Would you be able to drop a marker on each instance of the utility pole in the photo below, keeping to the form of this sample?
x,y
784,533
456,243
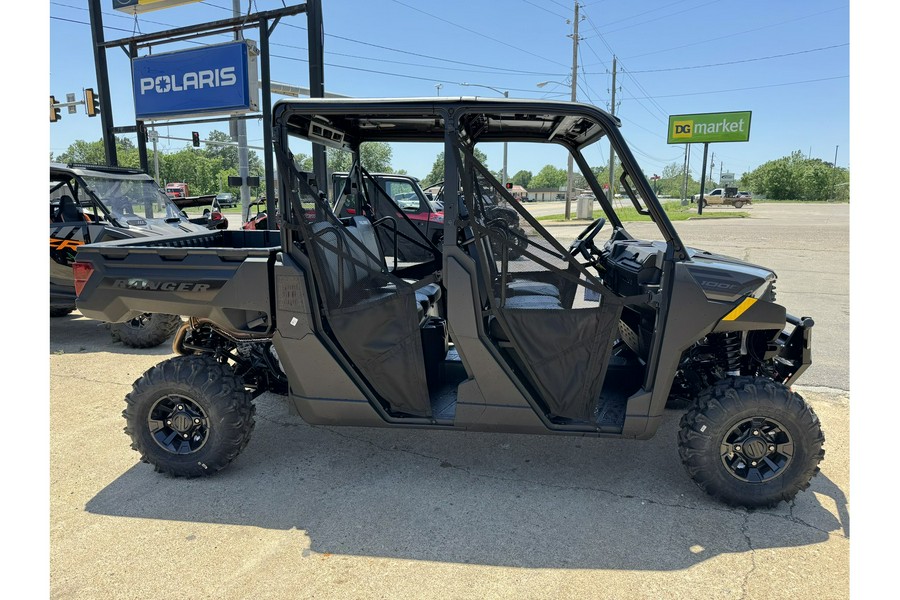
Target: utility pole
x,y
612,156
569,180
834,175
712,163
240,126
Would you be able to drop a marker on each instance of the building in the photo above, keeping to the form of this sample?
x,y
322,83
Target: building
x,y
546,194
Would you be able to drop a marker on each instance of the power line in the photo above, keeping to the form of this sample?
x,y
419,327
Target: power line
x,y
498,70
657,18
738,33
545,9
478,33
746,60
743,89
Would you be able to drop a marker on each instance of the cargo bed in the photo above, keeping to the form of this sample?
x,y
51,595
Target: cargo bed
x,y
221,275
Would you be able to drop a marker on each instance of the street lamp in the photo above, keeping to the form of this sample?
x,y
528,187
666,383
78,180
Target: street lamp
x,y
505,95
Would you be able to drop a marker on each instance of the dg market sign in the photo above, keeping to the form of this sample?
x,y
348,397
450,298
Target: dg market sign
x,y
218,79
709,127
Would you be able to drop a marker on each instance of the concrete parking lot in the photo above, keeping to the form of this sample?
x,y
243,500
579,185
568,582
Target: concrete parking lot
x,y
328,512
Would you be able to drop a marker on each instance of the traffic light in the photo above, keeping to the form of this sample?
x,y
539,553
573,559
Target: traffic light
x,y
509,185
91,103
195,138
54,111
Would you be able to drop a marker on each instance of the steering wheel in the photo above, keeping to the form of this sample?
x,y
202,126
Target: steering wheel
x,y
584,243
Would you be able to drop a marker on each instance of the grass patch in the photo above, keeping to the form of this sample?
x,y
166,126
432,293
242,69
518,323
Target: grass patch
x,y
674,210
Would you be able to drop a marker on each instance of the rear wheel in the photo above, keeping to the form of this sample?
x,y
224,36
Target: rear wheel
x,y
703,203
145,331
56,312
749,441
189,416
738,204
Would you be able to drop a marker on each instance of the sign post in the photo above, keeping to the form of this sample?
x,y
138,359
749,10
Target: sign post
x,y
706,128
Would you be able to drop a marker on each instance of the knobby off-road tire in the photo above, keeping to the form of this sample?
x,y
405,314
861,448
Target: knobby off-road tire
x,y
55,313
738,204
749,441
146,331
517,245
189,416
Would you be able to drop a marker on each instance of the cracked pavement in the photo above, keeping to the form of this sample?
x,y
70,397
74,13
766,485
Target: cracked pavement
x,y
332,512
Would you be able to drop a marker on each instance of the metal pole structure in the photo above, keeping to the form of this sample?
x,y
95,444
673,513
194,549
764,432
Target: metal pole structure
x,y
316,44
612,156
569,179
106,118
505,177
505,147
141,131
155,138
702,179
267,122
684,177
240,126
687,173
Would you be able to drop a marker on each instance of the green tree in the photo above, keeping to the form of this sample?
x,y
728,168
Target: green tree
x,y
549,177
374,156
437,169
192,167
93,153
522,178
228,154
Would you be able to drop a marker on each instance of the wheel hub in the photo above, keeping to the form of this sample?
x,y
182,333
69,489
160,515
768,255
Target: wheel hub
x,y
182,422
757,449
178,424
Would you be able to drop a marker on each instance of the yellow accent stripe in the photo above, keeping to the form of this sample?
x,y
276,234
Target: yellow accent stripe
x,y
741,309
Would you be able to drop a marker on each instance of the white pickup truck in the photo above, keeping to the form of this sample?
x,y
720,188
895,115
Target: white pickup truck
x,y
728,196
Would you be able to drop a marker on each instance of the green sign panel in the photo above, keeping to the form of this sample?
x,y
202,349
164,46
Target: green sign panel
x,y
709,127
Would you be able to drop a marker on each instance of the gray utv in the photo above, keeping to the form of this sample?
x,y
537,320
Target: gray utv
x,y
593,338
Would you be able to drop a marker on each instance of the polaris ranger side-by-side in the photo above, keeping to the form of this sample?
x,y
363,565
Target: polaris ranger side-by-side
x,y
592,338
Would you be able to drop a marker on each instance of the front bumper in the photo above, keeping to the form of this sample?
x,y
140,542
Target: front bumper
x,y
794,349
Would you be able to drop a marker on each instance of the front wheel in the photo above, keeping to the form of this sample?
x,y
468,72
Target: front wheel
x,y
189,416
749,441
57,312
145,331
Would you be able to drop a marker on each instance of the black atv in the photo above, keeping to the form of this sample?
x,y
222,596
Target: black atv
x,y
91,203
590,338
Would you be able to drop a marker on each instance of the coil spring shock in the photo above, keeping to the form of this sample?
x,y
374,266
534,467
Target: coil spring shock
x,y
730,356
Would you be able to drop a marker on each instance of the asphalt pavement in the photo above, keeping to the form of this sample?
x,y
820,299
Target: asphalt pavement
x,y
331,512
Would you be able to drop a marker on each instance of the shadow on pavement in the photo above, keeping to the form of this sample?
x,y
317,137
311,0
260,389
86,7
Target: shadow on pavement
x,y
492,499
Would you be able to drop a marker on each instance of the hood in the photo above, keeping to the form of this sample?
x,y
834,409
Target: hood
x,y
160,227
728,279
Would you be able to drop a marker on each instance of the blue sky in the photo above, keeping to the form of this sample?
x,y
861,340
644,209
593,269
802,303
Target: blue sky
x,y
787,62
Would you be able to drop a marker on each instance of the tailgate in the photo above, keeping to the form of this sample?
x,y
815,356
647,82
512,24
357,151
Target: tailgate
x,y
225,276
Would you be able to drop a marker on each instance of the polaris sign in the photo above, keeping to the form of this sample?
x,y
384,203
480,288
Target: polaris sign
x,y
220,79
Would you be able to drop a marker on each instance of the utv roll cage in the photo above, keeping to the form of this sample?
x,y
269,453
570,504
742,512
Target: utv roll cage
x,y
346,123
